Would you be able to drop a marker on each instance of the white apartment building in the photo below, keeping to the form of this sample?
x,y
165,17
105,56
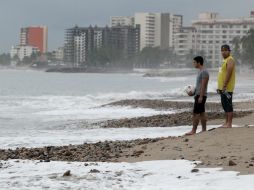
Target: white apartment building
x,y
185,41
80,49
122,21
98,34
58,54
213,32
175,24
22,51
154,29
23,37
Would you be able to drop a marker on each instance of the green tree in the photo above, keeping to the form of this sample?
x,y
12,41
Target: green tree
x,y
105,57
35,55
27,60
5,59
152,57
248,48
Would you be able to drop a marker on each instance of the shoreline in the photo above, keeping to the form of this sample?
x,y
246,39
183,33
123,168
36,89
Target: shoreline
x,y
215,148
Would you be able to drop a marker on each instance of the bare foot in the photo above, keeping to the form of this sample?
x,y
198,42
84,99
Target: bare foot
x,y
227,126
191,133
223,125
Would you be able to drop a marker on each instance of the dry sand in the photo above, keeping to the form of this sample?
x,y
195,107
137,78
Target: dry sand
x,y
217,148
230,149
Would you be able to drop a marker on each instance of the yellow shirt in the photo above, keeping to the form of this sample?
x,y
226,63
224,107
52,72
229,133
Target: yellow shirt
x,y
222,76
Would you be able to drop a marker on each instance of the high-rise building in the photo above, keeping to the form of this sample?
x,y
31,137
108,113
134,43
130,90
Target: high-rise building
x,y
175,24
154,29
125,39
36,36
81,41
184,42
122,21
75,47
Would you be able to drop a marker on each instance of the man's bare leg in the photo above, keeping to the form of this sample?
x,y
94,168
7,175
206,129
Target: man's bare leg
x,y
229,120
226,121
195,121
203,119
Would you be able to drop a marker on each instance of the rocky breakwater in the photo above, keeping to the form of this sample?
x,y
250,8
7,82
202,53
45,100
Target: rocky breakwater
x,y
101,151
169,120
182,117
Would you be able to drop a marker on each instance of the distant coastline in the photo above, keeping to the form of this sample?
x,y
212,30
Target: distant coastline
x,y
87,70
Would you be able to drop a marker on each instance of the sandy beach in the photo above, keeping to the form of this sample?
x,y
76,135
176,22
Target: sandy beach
x,y
230,149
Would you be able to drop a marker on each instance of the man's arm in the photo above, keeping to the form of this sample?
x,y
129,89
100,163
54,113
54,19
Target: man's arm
x,y
204,83
230,67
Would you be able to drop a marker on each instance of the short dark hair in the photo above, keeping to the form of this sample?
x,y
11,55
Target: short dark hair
x,y
199,59
225,46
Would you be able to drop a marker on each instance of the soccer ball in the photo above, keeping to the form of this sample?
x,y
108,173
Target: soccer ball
x,y
190,89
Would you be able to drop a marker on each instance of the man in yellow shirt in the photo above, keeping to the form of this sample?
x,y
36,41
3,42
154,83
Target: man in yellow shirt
x,y
226,84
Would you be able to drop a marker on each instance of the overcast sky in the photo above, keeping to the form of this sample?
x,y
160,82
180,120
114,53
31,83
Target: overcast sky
x,y
61,14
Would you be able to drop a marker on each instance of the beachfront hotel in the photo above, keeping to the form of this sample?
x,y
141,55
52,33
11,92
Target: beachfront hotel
x,y
212,32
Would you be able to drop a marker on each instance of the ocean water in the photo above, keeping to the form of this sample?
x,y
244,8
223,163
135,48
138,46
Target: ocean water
x,y
33,103
37,100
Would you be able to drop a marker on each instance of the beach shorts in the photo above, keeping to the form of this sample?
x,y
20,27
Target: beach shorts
x,y
199,107
227,102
